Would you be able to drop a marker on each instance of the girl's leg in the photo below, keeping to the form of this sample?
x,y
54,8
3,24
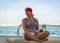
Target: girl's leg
x,y
43,35
28,35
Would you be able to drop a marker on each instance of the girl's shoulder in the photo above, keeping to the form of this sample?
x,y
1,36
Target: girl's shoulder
x,y
24,19
35,19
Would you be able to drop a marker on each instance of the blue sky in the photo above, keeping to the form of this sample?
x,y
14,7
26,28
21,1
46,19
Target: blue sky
x,y
47,11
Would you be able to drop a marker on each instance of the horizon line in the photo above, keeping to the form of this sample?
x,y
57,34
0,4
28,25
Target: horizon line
x,y
20,24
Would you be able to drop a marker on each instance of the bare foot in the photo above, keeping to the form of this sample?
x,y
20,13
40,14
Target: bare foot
x,y
45,39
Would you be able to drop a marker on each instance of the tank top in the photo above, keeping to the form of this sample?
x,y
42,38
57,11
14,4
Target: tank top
x,y
31,25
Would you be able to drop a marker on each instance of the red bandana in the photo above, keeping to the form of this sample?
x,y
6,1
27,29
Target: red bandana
x,y
28,9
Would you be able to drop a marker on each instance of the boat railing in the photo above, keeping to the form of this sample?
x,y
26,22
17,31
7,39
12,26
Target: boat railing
x,y
43,27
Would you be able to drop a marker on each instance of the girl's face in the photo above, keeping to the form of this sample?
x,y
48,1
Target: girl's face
x,y
28,13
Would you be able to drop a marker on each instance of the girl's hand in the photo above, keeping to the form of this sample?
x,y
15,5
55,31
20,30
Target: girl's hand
x,y
37,31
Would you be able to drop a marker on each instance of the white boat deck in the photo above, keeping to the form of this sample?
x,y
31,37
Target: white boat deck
x,y
19,39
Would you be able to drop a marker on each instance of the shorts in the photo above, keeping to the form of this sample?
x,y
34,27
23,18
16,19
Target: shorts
x,y
32,33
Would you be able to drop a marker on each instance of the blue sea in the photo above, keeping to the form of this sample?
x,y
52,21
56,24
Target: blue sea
x,y
12,30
